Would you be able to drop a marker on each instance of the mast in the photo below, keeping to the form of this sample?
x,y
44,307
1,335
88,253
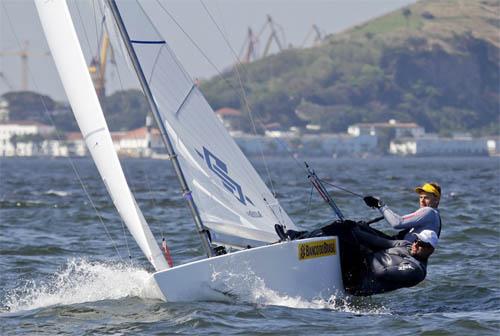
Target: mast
x,y
202,231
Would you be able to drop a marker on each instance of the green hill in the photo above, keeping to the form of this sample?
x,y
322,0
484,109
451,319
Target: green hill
x,y
435,63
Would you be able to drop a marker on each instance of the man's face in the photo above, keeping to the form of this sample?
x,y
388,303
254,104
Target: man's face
x,y
420,250
428,200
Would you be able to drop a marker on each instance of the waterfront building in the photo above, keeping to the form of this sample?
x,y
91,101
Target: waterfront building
x,y
16,136
432,145
401,130
4,110
76,145
140,142
493,144
230,118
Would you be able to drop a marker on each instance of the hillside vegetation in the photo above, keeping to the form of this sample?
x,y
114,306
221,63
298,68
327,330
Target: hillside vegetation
x,y
435,63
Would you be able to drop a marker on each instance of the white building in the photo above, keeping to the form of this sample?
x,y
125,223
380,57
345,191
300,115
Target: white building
x,y
493,146
75,144
230,118
436,146
401,130
12,133
4,110
138,142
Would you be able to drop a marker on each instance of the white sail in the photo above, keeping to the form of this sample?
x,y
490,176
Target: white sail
x,y
233,201
70,62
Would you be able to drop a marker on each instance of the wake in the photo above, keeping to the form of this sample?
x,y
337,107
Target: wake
x,y
247,287
81,281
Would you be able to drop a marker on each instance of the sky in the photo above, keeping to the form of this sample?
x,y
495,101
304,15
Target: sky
x,y
20,26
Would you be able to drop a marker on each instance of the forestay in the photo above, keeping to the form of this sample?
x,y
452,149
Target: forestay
x,y
234,203
65,48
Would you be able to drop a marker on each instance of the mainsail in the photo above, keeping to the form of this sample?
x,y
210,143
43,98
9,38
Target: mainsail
x,y
233,201
70,63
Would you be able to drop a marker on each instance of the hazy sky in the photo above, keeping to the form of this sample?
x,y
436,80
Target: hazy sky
x,y
19,24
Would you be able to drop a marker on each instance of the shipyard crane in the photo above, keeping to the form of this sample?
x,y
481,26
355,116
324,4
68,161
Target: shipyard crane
x,y
273,36
248,51
97,67
318,36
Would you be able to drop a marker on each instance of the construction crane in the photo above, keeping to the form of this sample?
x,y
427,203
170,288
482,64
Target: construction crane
x,y
272,37
318,37
97,67
24,54
248,52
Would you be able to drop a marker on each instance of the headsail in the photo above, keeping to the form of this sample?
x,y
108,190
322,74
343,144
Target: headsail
x,y
68,56
233,201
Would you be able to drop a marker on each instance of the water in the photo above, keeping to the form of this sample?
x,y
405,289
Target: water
x,y
61,274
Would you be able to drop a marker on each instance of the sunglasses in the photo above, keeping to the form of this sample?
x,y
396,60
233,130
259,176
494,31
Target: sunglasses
x,y
422,243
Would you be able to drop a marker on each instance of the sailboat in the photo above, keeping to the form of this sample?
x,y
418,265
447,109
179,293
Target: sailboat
x,y
233,210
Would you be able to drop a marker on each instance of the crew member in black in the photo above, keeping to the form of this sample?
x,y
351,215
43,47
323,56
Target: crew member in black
x,y
372,264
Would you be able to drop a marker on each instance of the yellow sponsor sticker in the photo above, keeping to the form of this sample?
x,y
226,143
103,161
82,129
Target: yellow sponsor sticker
x,y
317,249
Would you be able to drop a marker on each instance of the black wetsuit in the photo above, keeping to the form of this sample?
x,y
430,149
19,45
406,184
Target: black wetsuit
x,y
389,265
371,264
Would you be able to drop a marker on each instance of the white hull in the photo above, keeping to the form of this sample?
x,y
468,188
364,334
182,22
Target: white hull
x,y
276,267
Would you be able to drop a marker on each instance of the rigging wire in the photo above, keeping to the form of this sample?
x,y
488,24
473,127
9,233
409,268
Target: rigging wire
x,y
148,181
59,137
189,37
83,27
96,29
342,188
243,94
220,74
281,142
241,91
95,25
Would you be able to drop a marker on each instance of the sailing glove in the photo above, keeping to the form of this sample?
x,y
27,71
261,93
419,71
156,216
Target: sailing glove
x,y
373,202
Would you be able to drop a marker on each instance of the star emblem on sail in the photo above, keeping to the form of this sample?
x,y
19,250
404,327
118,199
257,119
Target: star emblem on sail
x,y
219,168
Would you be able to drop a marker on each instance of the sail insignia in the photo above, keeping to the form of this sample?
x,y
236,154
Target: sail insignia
x,y
219,168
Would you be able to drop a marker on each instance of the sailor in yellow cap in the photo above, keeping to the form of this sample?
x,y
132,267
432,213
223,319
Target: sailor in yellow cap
x,y
427,217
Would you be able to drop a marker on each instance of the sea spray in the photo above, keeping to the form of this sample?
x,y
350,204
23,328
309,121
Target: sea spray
x,y
81,280
249,288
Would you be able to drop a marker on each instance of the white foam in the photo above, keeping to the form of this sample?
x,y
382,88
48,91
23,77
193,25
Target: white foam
x,y
59,193
81,281
248,287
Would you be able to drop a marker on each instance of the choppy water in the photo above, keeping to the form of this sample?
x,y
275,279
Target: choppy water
x,y
60,274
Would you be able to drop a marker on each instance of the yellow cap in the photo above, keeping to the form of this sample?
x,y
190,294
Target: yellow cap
x,y
430,188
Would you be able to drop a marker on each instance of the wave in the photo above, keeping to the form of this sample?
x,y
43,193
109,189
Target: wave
x,y
59,193
81,281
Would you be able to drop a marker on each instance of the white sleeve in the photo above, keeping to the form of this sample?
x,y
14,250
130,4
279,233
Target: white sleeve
x,y
411,220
